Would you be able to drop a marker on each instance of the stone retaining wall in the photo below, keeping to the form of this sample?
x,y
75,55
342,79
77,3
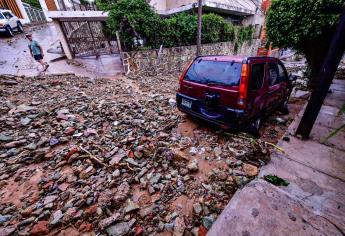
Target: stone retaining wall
x,y
174,60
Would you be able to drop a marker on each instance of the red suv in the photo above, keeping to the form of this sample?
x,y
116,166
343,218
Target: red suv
x,y
235,92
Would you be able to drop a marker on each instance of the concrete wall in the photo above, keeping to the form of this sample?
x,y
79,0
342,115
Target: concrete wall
x,y
174,60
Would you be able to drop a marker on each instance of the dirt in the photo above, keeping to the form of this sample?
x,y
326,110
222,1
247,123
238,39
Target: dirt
x,y
186,162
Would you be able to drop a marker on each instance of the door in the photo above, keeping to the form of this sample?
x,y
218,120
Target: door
x,y
256,90
274,87
284,81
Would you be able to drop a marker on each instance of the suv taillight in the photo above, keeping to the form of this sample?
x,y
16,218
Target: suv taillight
x,y
185,72
241,102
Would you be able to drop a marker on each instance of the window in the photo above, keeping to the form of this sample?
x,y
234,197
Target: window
x,y
258,74
273,73
282,74
7,15
1,16
215,72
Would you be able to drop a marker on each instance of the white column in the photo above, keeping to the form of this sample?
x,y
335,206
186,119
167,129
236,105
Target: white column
x,y
45,9
63,40
25,19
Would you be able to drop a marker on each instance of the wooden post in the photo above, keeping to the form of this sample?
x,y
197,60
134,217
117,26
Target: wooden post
x,y
198,43
327,72
118,41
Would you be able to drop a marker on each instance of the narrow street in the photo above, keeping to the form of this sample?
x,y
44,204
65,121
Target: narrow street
x,y
15,57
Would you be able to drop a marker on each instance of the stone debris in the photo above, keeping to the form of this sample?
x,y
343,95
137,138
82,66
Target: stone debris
x,y
106,156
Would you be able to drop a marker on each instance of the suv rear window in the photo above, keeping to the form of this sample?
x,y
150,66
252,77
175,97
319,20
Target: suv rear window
x,y
215,72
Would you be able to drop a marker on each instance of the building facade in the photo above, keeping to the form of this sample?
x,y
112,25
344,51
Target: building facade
x,y
241,12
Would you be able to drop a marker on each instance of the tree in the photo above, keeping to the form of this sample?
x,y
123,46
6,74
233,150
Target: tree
x,y
306,26
134,19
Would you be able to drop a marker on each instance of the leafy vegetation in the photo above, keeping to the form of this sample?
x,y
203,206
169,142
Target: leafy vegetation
x,y
275,180
34,3
305,25
135,19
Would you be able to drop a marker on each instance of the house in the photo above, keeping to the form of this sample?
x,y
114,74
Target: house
x,y
241,12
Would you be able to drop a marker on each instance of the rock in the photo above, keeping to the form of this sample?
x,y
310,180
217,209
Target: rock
x,y
4,218
193,151
193,166
121,192
69,214
87,172
208,222
280,121
7,231
116,173
120,229
197,208
217,151
155,179
179,226
57,218
69,131
49,199
108,221
131,206
25,121
118,157
195,231
250,170
132,162
6,138
142,172
40,229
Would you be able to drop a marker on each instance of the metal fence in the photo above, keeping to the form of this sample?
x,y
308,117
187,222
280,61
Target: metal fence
x,y
75,5
35,15
87,38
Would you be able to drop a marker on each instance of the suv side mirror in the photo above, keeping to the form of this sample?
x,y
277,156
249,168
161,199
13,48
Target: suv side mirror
x,y
292,77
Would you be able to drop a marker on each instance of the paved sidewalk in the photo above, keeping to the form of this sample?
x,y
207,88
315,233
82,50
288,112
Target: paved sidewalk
x,y
314,201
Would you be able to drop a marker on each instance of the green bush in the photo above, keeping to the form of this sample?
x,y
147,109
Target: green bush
x,y
306,26
179,30
135,19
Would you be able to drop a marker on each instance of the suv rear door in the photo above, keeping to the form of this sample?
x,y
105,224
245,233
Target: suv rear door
x,y
213,78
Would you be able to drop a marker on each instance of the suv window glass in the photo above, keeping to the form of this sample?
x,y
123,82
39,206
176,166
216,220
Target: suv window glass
x,y
215,72
1,16
273,73
7,15
258,73
282,75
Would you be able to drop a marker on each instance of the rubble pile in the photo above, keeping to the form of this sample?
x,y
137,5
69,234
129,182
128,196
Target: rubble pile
x,y
80,155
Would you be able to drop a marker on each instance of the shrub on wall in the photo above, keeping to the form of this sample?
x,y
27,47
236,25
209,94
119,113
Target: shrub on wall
x,y
138,22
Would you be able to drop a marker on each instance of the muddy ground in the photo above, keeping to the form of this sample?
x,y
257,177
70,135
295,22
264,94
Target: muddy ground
x,y
83,156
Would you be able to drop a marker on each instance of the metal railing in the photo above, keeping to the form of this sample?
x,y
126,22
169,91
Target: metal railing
x,y
75,5
35,15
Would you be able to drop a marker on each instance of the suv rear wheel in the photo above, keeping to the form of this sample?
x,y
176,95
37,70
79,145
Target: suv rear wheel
x,y
20,27
9,31
254,127
284,107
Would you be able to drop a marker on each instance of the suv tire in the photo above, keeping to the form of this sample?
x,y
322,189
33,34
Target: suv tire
x,y
9,31
284,107
254,127
20,27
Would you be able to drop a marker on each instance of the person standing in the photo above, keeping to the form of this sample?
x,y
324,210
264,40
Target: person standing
x,y
36,52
